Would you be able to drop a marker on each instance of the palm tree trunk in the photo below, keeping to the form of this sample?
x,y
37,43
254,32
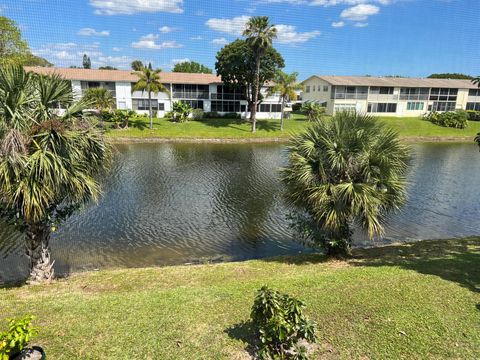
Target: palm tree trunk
x,y
281,114
39,253
255,97
150,108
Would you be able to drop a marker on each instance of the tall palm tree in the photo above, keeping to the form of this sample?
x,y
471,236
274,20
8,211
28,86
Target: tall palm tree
x,y
349,170
101,98
149,80
476,81
260,34
48,162
285,86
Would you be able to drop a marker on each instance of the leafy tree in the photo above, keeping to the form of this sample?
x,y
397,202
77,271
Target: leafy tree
x,y
108,67
450,76
235,64
191,67
260,34
137,65
100,98
86,63
48,162
313,110
350,170
286,86
149,81
13,49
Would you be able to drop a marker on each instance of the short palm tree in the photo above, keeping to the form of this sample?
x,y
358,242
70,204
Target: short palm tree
x,y
48,162
149,81
313,110
260,34
101,98
345,171
285,86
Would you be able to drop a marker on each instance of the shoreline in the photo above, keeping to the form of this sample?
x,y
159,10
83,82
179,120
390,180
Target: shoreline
x,y
282,140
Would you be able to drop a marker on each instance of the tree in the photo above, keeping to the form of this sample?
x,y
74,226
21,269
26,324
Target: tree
x,y
235,64
286,86
450,76
260,34
149,81
87,64
108,67
349,170
137,65
100,98
48,163
13,49
191,67
313,110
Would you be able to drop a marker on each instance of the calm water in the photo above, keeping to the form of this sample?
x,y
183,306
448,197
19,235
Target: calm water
x,y
181,203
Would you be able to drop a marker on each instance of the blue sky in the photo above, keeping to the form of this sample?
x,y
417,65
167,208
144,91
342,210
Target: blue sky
x,y
341,37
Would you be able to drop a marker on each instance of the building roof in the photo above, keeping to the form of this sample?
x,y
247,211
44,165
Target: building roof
x,y
395,82
124,75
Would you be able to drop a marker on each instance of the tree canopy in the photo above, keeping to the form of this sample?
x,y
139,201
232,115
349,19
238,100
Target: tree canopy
x,y
13,49
450,76
191,67
137,65
108,67
87,64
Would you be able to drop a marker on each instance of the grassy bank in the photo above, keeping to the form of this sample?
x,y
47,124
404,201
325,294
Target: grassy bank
x,y
413,128
417,301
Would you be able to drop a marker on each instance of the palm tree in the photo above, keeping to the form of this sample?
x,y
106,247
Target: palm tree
x,y
476,81
48,162
149,80
260,34
345,171
286,86
101,98
313,110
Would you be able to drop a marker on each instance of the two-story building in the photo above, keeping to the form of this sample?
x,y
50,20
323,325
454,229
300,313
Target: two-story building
x,y
390,95
201,91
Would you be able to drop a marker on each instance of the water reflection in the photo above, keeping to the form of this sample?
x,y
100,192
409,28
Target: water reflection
x,y
176,203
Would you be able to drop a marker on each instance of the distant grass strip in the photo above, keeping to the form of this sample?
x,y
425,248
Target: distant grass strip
x,y
418,301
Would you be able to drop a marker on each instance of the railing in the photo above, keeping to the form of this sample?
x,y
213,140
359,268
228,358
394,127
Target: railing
x,y
382,97
351,96
191,95
473,99
113,92
227,96
414,96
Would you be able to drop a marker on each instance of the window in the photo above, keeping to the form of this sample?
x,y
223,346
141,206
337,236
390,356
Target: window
x,y
443,106
325,88
142,104
194,104
414,93
313,88
443,94
474,92
473,106
345,107
161,106
382,107
225,106
381,90
307,89
349,92
415,105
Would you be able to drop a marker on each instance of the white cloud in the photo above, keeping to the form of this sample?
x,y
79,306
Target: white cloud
x,y
116,49
150,37
166,29
93,32
233,26
220,41
359,12
129,7
360,25
196,38
179,61
338,24
148,42
348,2
287,34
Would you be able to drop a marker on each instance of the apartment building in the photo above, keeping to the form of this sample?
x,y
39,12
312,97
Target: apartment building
x,y
201,91
391,96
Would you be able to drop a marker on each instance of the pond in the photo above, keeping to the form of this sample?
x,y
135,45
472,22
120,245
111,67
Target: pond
x,y
187,203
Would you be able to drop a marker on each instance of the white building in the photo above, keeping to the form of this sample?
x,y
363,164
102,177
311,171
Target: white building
x,y
201,91
391,96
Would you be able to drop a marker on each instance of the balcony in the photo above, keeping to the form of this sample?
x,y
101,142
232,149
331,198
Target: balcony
x,y
227,96
382,97
347,96
193,95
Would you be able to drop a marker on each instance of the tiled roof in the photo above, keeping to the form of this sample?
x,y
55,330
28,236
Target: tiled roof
x,y
123,75
396,82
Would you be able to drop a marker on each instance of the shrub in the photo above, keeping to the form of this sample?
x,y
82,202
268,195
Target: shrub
x,y
296,107
180,112
197,114
16,338
280,325
454,119
211,115
232,115
473,115
106,115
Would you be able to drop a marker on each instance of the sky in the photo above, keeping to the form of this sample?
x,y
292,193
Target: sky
x,y
330,37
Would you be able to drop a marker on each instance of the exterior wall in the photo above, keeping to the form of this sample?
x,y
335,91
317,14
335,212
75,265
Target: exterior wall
x,y
77,89
313,90
123,92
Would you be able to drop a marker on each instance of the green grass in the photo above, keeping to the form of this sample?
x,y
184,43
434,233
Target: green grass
x,y
418,301
408,127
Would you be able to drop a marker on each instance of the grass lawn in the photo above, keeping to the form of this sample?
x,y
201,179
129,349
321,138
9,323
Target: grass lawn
x,y
418,301
408,127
